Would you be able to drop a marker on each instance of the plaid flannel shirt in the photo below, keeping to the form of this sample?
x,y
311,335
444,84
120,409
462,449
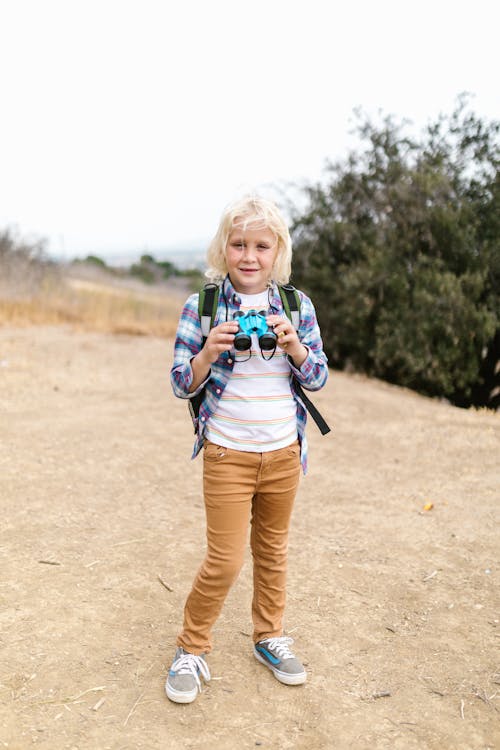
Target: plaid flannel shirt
x,y
312,374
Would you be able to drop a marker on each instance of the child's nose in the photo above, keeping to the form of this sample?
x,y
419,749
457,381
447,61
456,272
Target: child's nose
x,y
249,251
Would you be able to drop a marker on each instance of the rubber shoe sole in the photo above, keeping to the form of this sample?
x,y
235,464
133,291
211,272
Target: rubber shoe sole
x,y
285,677
180,696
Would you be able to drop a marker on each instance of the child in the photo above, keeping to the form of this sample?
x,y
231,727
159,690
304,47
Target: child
x,y
251,426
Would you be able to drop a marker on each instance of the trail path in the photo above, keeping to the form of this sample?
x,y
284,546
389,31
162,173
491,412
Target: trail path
x,y
394,609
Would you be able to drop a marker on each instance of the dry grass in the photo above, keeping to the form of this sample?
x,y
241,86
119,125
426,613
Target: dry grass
x,y
94,306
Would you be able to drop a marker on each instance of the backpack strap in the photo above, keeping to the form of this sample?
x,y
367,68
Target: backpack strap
x,y
207,308
291,303
320,421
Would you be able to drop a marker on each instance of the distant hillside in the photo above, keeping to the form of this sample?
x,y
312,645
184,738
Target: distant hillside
x,y
183,259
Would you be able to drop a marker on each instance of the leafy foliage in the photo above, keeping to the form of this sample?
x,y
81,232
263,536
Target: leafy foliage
x,y
150,271
400,249
95,260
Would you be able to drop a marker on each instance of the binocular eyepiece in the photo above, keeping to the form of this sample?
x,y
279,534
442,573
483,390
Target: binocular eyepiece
x,y
253,322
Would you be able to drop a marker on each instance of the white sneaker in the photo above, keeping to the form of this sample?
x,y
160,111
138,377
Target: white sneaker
x,y
276,655
183,681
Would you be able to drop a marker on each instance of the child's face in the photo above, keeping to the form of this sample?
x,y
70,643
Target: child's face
x,y
250,256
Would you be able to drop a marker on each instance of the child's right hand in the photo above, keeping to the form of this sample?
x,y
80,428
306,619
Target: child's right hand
x,y
220,339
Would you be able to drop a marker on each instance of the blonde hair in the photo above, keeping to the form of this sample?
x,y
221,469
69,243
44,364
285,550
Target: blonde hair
x,y
251,212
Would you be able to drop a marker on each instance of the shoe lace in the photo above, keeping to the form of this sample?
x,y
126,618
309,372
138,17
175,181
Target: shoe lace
x,y
191,664
281,646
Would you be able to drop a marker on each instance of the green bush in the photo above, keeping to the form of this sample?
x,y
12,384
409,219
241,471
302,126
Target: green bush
x,y
143,272
96,261
400,250
150,270
195,277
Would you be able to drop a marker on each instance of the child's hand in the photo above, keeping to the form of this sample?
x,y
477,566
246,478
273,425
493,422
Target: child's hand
x,y
288,339
220,339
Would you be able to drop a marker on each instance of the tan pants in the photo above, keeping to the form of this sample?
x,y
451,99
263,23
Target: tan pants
x,y
242,487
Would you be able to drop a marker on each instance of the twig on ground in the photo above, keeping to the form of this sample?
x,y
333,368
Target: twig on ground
x,y
133,708
49,562
432,688
436,691
462,704
70,699
431,575
129,541
164,584
260,724
483,697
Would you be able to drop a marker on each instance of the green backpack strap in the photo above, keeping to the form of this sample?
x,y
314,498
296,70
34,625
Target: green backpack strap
x,y
291,303
207,308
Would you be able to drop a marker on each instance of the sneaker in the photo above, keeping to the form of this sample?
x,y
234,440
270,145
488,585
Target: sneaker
x,y
183,681
275,654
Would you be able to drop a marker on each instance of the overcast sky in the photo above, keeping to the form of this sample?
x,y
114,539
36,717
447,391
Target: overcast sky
x,y
128,125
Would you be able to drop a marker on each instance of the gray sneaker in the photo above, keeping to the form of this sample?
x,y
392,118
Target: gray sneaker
x,y
183,681
275,654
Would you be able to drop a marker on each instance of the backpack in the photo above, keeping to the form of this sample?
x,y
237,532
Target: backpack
x,y
207,310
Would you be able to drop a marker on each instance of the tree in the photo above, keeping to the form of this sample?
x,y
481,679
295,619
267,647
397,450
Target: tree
x,y
400,249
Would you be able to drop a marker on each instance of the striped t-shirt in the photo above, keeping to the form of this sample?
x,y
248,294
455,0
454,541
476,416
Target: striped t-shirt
x,y
257,411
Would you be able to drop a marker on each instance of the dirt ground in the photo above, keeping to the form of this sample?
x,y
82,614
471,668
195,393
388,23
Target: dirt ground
x,y
393,608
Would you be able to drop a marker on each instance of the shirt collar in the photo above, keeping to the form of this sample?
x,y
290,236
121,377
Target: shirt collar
x,y
276,298
230,292
233,297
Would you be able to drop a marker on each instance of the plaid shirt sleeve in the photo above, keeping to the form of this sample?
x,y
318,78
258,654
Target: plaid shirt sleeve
x,y
313,372
188,341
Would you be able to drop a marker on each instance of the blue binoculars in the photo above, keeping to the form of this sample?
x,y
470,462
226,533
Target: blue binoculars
x,y
253,322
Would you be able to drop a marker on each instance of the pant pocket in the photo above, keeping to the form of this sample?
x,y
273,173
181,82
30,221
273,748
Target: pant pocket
x,y
293,450
213,452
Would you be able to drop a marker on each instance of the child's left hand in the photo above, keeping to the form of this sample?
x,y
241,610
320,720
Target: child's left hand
x,y
288,339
